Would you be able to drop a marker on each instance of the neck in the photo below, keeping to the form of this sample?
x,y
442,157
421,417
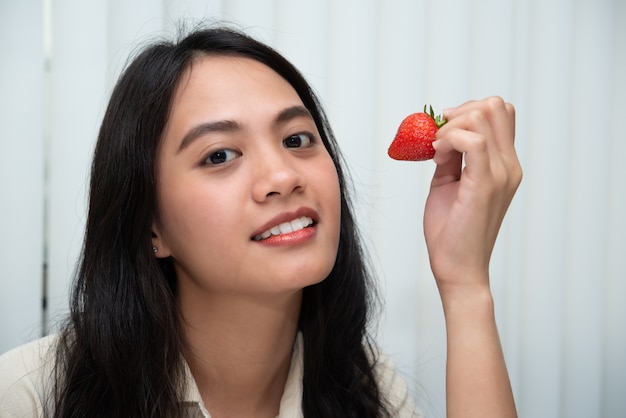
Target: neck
x,y
239,349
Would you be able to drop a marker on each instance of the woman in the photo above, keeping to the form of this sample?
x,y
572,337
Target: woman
x,y
221,270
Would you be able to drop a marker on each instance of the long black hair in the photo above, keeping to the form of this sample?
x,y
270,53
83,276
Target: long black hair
x,y
120,352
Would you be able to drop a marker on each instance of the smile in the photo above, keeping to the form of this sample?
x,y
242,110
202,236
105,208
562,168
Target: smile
x,y
285,228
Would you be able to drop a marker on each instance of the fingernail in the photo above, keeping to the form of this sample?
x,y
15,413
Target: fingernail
x,y
448,110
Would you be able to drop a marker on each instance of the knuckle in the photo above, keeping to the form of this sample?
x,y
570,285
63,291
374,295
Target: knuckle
x,y
476,116
518,174
510,109
514,175
495,103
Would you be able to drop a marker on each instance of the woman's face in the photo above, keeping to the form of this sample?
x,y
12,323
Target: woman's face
x,y
248,196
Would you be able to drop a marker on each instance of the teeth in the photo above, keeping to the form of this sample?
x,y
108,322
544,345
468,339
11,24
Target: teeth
x,y
286,227
296,224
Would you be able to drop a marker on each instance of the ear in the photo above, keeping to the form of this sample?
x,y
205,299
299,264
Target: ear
x,y
159,246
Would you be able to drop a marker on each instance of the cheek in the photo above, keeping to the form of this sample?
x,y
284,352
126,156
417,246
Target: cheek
x,y
192,216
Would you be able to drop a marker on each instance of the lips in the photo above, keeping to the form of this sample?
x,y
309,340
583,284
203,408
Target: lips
x,y
285,228
286,223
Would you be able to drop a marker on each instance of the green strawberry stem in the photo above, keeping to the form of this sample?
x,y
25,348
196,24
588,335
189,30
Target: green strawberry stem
x,y
439,119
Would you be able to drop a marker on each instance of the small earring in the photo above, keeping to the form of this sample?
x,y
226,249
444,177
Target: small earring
x,y
154,249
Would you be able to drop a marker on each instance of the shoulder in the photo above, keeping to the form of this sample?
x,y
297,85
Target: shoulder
x,y
25,372
393,388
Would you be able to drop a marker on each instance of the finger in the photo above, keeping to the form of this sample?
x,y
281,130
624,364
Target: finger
x,y
501,116
452,112
449,164
502,119
511,111
473,145
472,117
496,110
495,119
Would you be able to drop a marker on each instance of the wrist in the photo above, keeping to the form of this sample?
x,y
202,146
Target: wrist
x,y
467,299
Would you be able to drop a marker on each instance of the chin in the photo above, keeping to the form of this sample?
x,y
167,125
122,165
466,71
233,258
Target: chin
x,y
308,276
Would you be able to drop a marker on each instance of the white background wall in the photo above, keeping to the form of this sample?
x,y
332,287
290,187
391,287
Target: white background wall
x,y
558,272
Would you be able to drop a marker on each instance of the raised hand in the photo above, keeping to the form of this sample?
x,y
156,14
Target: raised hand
x,y
476,177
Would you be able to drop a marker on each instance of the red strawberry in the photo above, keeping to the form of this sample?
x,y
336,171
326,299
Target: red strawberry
x,y
415,136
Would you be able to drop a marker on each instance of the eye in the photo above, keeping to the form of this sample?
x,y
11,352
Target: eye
x,y
221,156
298,141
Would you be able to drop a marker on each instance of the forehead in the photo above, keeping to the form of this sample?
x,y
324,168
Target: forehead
x,y
239,90
227,81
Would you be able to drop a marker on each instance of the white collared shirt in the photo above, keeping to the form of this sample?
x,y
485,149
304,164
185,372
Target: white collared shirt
x,y
25,373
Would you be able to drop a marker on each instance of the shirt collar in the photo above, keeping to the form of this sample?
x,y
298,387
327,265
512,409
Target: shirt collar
x,y
290,403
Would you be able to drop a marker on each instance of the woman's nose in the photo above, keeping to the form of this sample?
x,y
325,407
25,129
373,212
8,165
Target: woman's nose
x,y
276,174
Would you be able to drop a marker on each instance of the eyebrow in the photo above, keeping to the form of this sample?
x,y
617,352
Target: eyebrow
x,y
226,126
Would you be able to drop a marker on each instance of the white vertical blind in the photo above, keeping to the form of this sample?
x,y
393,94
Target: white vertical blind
x,y
78,70
588,196
558,273
613,401
21,171
548,145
